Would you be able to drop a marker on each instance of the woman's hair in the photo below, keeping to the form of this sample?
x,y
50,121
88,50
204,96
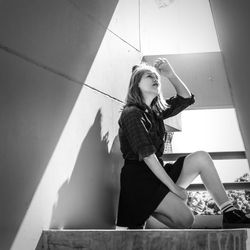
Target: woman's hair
x,y
134,95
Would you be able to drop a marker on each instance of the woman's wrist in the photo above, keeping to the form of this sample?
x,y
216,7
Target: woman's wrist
x,y
172,75
172,187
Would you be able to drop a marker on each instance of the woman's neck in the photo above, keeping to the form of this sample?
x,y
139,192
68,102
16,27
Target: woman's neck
x,y
148,100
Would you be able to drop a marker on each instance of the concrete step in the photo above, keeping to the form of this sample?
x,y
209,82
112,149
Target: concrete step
x,y
207,239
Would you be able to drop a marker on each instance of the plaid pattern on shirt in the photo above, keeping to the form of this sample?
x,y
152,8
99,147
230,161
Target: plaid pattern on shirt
x,y
142,131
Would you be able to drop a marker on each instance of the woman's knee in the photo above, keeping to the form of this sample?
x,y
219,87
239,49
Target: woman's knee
x,y
199,157
176,210
186,220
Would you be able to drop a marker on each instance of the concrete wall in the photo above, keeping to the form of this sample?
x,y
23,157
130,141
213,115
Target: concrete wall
x,y
61,62
232,25
188,239
181,27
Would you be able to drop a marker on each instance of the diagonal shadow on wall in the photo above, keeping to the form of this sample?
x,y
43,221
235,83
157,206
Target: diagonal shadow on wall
x,y
89,198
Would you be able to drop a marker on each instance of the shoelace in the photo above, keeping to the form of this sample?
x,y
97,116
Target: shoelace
x,y
239,213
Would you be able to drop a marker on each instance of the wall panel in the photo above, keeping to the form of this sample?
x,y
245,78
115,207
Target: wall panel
x,y
55,34
232,25
58,149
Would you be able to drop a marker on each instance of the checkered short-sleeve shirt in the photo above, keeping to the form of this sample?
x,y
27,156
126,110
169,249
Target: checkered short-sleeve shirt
x,y
142,131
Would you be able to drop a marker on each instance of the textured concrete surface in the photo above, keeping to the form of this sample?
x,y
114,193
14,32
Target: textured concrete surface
x,y
236,239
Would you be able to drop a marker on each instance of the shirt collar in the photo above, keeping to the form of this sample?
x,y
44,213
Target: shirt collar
x,y
144,107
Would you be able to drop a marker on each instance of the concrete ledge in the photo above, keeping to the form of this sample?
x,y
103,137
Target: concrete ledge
x,y
233,239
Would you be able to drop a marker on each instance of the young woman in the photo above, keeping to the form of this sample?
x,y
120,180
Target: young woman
x,y
148,187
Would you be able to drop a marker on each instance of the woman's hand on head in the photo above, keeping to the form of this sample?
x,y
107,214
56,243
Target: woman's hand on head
x,y
164,68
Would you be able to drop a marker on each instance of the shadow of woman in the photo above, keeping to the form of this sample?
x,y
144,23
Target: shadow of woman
x,y
89,199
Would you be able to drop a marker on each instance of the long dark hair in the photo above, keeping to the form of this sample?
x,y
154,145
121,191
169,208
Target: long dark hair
x,y
134,95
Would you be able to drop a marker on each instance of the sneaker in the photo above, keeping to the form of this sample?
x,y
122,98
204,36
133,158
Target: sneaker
x,y
235,219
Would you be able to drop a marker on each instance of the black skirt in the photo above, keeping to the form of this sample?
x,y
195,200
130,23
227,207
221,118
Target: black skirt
x,y
141,191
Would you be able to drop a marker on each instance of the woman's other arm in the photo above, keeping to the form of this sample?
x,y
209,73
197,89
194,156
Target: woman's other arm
x,y
161,174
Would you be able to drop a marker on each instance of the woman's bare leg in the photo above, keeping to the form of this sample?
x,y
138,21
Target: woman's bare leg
x,y
173,212
200,163
153,223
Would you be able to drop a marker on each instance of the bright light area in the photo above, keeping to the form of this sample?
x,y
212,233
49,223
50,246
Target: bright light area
x,y
229,170
210,130
213,130
181,27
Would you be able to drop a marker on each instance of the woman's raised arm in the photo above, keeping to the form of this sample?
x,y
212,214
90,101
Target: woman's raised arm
x,y
166,70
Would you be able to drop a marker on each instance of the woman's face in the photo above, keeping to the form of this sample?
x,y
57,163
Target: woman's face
x,y
150,84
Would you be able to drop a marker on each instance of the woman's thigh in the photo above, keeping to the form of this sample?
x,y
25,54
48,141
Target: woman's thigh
x,y
192,167
177,213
